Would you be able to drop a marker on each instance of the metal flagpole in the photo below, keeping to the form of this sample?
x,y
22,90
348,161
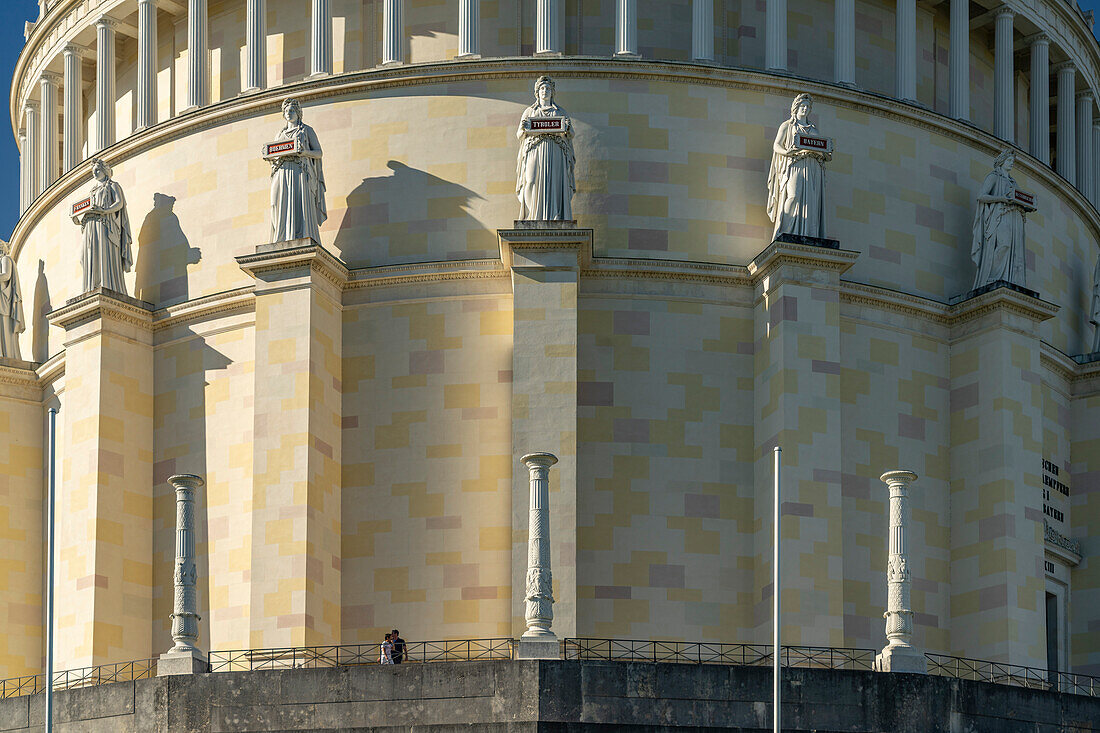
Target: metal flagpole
x,y
776,610
50,569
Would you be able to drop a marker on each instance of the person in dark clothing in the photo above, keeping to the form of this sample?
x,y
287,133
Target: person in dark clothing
x,y
398,647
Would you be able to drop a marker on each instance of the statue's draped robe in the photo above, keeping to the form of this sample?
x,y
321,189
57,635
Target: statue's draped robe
x,y
796,188
298,190
105,254
11,309
997,248
544,170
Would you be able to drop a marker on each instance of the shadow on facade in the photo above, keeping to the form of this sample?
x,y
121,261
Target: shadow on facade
x,y
163,254
40,308
410,216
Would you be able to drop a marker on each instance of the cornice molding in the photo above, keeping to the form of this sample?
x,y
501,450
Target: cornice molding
x,y
102,304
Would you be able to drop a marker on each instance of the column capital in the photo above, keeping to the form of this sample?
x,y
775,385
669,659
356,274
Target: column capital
x,y
50,77
31,105
1038,39
1084,95
75,49
186,481
1065,66
1095,125
1004,11
539,460
23,132
148,2
106,21
898,477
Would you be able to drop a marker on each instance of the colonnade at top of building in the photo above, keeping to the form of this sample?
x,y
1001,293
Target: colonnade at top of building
x,y
1077,131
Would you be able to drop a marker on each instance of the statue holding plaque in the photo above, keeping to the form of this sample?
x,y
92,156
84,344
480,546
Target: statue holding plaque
x,y
544,169
297,179
1094,307
105,233
796,180
11,306
998,244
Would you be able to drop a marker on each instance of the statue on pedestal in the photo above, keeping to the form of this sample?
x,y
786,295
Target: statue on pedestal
x,y
11,306
297,179
1094,307
105,233
997,248
544,170
796,180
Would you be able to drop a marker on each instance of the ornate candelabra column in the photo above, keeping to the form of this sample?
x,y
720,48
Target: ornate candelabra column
x,y
1066,161
184,657
539,642
702,30
255,73
1039,129
320,49
959,60
899,655
1004,88
72,136
469,30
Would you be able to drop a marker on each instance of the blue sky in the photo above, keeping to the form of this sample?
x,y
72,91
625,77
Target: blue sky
x,y
13,14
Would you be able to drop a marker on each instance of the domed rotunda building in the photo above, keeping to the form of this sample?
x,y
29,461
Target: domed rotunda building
x,y
358,405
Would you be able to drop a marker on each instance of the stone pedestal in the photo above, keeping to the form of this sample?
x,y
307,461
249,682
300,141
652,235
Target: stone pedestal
x,y
546,259
797,405
296,466
191,661
104,578
995,461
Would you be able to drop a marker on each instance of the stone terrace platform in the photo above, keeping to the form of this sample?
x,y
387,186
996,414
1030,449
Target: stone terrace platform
x,y
552,696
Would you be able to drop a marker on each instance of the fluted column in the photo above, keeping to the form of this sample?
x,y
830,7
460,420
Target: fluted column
x,y
959,60
1039,129
899,654
1066,163
1096,168
1004,88
775,35
72,134
469,29
393,32
24,198
198,75
539,596
549,27
320,53
255,70
1084,144
47,157
844,40
906,48
626,28
30,153
184,657
702,30
147,64
105,83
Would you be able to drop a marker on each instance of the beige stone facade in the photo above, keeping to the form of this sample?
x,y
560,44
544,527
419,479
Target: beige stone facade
x,y
358,407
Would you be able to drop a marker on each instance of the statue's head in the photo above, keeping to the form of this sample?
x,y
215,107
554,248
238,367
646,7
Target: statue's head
x,y
5,248
100,170
292,110
544,89
1005,160
801,107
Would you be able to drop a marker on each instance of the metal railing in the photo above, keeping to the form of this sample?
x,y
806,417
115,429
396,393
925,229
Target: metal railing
x,y
740,655
353,655
962,668
82,677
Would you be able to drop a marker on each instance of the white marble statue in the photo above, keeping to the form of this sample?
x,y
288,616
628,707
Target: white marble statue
x,y
796,180
11,306
1094,307
998,245
297,182
544,170
105,234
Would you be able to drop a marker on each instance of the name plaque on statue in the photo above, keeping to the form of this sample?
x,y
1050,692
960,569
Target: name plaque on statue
x,y
81,206
547,124
281,148
814,143
1025,200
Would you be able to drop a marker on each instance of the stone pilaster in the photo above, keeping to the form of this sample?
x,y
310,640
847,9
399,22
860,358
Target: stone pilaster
x,y
30,150
320,46
797,406
905,48
1039,127
1085,105
775,35
1004,81
255,73
549,31
147,64
844,54
296,454
184,657
104,580
1066,162
72,137
899,655
959,60
997,575
393,32
545,260
539,642
198,67
24,196
626,28
47,158
105,83
469,29
702,30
